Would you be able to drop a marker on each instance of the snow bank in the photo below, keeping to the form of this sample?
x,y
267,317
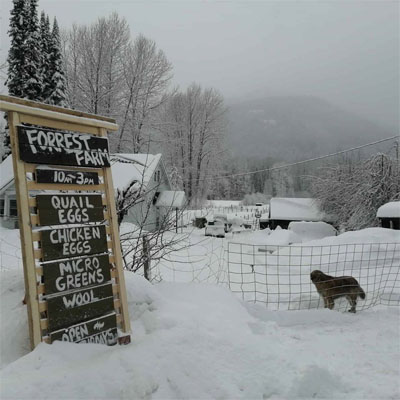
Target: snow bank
x,y
200,341
312,230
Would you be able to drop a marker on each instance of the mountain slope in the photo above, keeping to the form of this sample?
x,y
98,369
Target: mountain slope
x,y
296,127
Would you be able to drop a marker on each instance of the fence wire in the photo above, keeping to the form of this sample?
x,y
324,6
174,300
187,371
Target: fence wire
x,y
279,276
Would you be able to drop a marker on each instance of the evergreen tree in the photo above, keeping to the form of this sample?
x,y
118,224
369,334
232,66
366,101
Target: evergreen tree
x,y
46,69
33,77
57,83
16,60
16,54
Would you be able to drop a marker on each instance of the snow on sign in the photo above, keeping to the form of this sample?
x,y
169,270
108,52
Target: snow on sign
x,y
74,281
100,330
49,146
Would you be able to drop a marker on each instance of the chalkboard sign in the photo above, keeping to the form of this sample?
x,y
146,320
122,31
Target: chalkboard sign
x,y
61,176
49,146
61,209
76,294
71,242
101,330
78,306
76,273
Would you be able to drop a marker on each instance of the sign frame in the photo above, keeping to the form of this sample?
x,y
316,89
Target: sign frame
x,y
20,111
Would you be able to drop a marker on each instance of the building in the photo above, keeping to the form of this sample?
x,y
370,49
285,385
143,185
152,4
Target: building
x,y
283,210
141,179
8,201
389,215
135,176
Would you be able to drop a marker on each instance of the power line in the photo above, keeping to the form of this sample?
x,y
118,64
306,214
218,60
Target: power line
x,y
299,162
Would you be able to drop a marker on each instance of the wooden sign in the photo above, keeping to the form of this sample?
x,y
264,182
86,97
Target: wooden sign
x,y
72,242
74,307
72,291
61,209
76,273
49,146
61,176
101,330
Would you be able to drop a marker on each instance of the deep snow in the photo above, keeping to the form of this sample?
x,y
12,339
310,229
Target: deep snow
x,y
199,340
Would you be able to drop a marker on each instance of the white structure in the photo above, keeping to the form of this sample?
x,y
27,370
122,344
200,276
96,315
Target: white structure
x,y
8,202
141,174
283,210
146,177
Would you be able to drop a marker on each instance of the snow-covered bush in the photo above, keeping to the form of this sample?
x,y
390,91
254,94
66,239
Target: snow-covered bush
x,y
352,194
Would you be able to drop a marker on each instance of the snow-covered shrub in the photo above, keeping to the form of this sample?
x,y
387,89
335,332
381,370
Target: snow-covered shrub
x,y
352,194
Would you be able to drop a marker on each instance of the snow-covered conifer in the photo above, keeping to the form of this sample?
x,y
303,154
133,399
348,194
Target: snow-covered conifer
x,y
46,69
33,75
16,53
57,83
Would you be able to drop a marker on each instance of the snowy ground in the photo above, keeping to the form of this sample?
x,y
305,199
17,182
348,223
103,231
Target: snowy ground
x,y
199,340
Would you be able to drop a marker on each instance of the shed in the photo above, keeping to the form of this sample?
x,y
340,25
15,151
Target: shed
x,y
283,210
389,215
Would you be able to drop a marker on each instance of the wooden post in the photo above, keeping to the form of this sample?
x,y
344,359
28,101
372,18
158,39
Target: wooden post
x,y
27,250
65,121
114,232
146,261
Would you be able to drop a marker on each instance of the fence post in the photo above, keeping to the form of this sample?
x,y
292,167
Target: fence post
x,y
146,258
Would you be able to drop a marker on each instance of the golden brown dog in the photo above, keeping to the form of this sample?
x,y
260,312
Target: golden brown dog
x,y
331,288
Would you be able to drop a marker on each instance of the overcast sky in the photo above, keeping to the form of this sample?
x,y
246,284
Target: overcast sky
x,y
343,51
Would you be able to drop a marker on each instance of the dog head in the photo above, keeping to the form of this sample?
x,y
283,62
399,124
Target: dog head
x,y
317,276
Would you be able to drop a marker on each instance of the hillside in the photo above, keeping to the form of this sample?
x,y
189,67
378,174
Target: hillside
x,y
296,127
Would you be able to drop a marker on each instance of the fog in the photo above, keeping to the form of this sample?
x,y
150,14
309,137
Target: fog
x,y
344,52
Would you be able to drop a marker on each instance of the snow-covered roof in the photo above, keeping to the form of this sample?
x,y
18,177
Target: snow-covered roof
x,y
295,209
6,172
127,168
389,210
171,199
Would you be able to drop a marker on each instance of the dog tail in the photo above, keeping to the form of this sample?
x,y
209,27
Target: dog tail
x,y
361,293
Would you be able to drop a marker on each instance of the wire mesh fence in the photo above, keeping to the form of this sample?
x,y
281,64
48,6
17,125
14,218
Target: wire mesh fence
x,y
279,276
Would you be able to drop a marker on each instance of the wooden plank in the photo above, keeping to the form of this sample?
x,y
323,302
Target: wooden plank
x,y
71,177
113,222
98,330
57,147
76,273
48,107
79,306
69,242
32,168
6,105
61,209
36,238
32,185
32,201
25,234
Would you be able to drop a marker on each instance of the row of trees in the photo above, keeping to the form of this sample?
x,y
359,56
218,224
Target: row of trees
x,y
98,68
352,193
108,73
34,65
